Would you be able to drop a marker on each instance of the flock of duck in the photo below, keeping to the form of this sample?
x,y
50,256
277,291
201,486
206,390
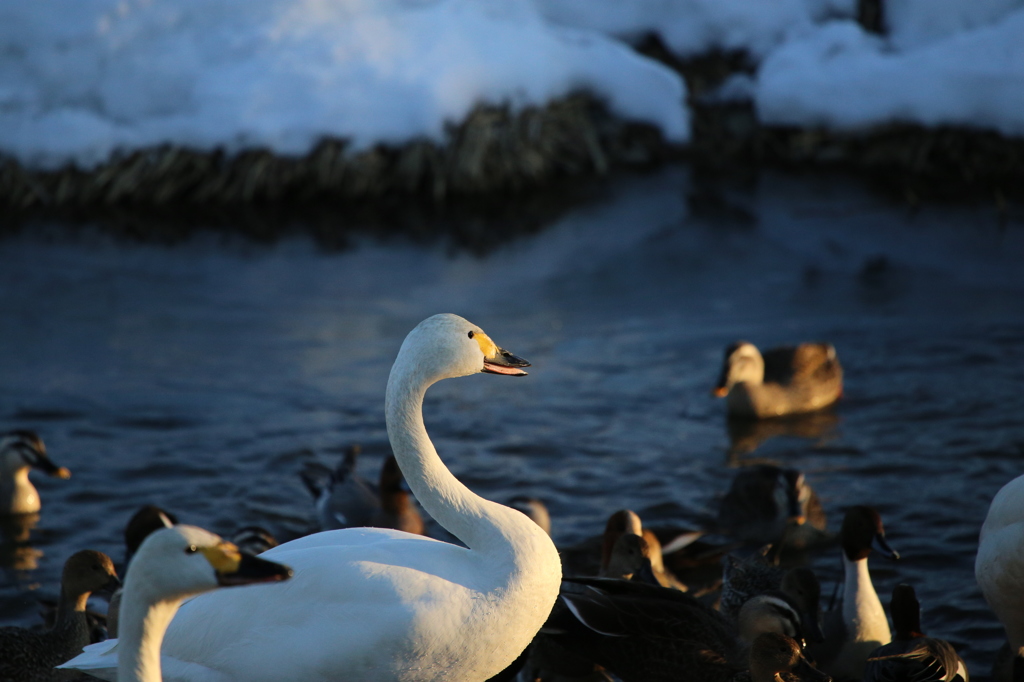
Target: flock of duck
x,y
370,597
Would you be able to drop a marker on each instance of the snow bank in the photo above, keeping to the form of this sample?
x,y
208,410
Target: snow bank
x,y
840,77
690,27
83,79
914,23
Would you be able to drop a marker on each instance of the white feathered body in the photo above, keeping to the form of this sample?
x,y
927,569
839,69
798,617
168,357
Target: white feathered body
x,y
999,567
385,608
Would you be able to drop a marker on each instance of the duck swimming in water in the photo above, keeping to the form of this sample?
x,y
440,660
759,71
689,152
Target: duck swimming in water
x,y
782,381
21,451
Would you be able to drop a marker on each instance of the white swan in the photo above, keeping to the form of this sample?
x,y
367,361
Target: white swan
x,y
999,568
376,604
170,565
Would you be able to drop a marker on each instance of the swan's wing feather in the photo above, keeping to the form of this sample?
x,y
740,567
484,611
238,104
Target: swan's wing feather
x,y
99,660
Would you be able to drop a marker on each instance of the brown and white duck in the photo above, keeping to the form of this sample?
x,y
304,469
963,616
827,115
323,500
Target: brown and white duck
x,y
21,451
782,381
627,522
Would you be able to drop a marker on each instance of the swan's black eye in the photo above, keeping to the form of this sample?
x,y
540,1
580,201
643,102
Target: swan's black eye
x,y
191,549
471,333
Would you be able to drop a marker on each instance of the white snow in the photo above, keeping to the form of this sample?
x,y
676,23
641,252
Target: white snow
x,y
81,80
913,23
690,27
837,76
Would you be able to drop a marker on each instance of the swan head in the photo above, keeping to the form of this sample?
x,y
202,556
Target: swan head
x,y
25,449
742,362
446,346
183,560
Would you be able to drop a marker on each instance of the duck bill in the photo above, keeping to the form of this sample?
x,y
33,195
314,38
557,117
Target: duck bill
x,y
250,570
883,548
719,391
46,465
112,586
505,363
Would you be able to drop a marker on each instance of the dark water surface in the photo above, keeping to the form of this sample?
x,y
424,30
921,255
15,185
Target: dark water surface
x,y
200,377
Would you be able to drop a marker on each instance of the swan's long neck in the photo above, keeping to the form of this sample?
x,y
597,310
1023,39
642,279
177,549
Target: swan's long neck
x,y
482,525
142,623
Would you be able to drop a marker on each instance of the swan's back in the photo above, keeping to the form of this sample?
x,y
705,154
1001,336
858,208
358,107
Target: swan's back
x,y
354,591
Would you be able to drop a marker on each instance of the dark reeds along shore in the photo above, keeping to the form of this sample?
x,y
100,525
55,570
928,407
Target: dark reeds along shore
x,y
494,151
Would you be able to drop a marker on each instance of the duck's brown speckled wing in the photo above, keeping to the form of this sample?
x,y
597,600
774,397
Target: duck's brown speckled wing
x,y
815,361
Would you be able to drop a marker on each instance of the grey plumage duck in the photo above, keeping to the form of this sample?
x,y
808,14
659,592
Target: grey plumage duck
x,y
346,500
744,580
782,381
21,451
30,656
911,656
343,498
